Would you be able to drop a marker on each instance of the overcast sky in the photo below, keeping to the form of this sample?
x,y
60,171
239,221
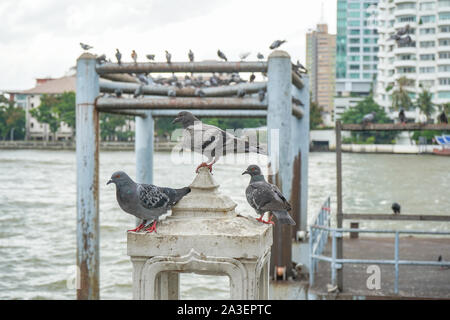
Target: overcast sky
x,y
40,38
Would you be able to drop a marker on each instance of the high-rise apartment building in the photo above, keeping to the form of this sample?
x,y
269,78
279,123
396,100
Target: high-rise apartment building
x,y
425,61
320,62
356,46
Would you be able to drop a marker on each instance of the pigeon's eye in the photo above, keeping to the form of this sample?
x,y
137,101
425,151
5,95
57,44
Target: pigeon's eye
x,y
118,176
253,169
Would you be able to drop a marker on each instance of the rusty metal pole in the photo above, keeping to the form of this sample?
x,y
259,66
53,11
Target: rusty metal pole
x,y
279,120
87,141
299,196
339,216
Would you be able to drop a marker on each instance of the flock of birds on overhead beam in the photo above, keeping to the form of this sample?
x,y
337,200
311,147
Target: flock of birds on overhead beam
x,y
370,118
149,202
199,82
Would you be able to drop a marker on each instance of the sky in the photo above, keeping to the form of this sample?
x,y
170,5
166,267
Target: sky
x,y
40,38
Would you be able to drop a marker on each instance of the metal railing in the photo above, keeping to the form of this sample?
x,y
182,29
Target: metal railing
x,y
317,243
318,238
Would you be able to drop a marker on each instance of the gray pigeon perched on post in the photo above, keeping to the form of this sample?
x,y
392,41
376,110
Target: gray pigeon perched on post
x,y
260,56
396,208
244,55
139,90
191,56
134,56
264,197
168,57
368,118
211,141
221,55
85,46
276,44
145,201
118,56
150,57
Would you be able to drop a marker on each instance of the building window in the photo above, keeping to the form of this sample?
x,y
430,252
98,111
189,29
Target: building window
x,y
427,57
408,5
444,16
407,19
444,55
444,81
427,31
444,95
427,69
427,5
406,70
444,29
427,44
426,83
444,42
428,19
444,68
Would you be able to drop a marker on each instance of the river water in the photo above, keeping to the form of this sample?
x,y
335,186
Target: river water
x,y
38,216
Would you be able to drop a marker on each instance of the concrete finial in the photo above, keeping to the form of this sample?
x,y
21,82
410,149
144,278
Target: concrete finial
x,y
204,200
279,54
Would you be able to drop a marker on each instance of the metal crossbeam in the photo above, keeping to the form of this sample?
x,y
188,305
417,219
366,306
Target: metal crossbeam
x,y
125,112
186,67
249,88
383,216
394,127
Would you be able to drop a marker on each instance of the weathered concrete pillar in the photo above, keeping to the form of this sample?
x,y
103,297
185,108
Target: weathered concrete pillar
x,y
87,141
279,120
204,236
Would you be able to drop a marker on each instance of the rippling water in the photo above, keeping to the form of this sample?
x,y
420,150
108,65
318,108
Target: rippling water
x,y
38,216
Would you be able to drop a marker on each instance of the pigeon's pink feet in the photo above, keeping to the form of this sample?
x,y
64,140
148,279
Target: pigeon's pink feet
x,y
204,164
260,219
151,228
139,228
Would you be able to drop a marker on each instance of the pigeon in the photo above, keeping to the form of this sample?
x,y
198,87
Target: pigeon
x,y
396,208
199,92
145,201
85,46
211,141
368,118
404,41
301,67
142,78
252,77
443,117
244,55
403,31
221,55
171,93
261,95
134,56
139,91
118,56
150,57
101,59
168,57
276,44
395,37
191,56
260,56
401,116
241,93
264,197
118,92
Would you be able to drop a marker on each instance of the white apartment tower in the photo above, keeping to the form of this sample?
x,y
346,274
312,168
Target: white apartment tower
x,y
425,61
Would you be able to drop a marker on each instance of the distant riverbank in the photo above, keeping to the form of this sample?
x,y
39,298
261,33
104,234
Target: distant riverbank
x,y
70,145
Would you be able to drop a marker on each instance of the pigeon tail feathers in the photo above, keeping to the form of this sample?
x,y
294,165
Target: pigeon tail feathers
x,y
284,217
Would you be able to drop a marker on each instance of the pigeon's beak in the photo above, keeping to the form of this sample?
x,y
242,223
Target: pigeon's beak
x,y
178,119
245,172
110,181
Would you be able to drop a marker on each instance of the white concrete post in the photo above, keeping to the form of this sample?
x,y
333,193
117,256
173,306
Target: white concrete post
x,y
279,119
87,140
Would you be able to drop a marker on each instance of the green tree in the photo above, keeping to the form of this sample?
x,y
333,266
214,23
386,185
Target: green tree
x,y
12,120
356,114
400,96
315,115
65,109
424,103
46,112
111,127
